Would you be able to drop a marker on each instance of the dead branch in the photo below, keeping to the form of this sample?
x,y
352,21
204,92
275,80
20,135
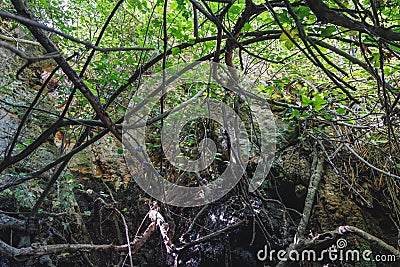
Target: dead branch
x,y
372,239
156,217
327,239
212,235
22,55
18,40
312,190
7,222
361,158
317,164
35,250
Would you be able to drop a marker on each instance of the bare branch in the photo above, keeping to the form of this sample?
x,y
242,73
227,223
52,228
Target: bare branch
x,y
18,40
29,59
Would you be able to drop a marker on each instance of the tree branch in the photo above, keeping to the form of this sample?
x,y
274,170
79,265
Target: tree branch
x,y
327,15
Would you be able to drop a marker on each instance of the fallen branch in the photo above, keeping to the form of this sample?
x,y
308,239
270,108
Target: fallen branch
x,y
158,219
18,40
372,239
7,222
299,242
212,235
36,250
312,190
324,241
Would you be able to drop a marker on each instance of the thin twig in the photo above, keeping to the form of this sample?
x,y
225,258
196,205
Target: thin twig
x,y
361,158
212,235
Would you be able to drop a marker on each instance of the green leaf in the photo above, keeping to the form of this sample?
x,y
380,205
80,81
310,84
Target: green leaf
x,y
302,11
175,50
328,117
305,101
286,39
295,112
325,32
376,59
20,146
120,110
235,9
283,17
289,45
267,89
318,102
340,111
247,27
192,40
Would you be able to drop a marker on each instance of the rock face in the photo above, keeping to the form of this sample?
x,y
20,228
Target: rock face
x,y
8,119
109,162
8,125
17,94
